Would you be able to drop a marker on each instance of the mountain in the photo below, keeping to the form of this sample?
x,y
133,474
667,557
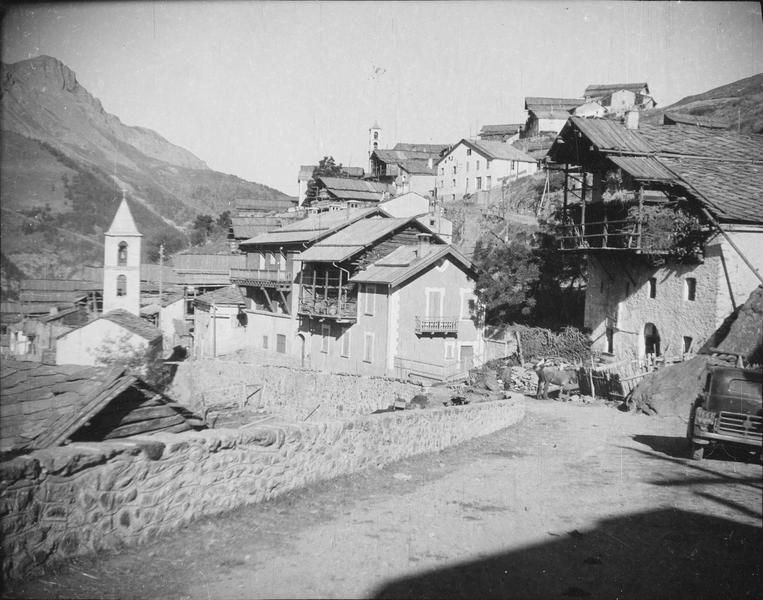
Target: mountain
x,y
64,160
738,104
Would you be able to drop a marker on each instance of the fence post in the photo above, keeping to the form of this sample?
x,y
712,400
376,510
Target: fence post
x,y
590,380
519,347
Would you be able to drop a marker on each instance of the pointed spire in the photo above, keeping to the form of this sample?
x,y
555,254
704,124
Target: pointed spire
x,y
123,223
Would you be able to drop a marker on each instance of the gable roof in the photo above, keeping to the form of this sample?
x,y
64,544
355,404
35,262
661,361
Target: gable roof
x,y
507,129
44,405
354,238
534,103
425,148
306,172
673,118
405,262
354,189
603,89
228,296
123,223
312,227
495,150
132,323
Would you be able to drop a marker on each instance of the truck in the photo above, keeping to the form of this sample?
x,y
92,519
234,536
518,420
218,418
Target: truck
x,y
728,411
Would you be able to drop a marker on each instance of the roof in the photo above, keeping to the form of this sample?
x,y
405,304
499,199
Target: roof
x,y
428,148
263,205
206,263
50,297
312,227
507,129
643,168
545,103
132,323
247,227
59,285
602,89
152,273
306,172
351,240
702,141
44,405
123,223
558,115
404,262
673,118
495,150
231,296
354,189
418,166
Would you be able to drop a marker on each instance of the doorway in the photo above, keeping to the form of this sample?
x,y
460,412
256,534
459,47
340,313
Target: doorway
x,y
651,340
466,357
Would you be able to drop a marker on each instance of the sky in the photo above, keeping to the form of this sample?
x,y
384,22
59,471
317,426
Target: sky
x,y
256,89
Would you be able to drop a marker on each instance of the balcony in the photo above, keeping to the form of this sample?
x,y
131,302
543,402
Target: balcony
x,y
272,278
436,325
623,234
341,311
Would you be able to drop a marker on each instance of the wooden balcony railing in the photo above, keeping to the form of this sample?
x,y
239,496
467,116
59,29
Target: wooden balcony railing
x,y
623,234
434,325
261,277
331,308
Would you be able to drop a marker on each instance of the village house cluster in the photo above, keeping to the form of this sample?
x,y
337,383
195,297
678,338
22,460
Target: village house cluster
x,y
363,276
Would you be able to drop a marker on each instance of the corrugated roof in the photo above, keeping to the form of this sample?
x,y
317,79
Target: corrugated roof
x,y
132,323
643,168
597,89
404,262
52,297
351,239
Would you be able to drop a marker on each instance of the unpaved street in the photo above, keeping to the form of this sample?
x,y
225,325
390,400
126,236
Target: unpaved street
x,y
575,501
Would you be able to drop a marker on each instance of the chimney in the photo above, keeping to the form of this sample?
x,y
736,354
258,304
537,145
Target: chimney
x,y
631,119
422,247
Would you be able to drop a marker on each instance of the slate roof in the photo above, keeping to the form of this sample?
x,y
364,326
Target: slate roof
x,y
404,262
306,172
206,263
351,240
722,169
123,223
229,296
673,118
427,148
495,150
262,205
44,405
544,103
507,129
59,285
132,323
602,89
247,227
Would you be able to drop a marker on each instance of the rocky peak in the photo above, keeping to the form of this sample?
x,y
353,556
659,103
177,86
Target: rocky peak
x,y
41,74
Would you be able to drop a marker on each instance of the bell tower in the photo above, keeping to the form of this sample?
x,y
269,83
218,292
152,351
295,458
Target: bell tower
x,y
374,142
121,262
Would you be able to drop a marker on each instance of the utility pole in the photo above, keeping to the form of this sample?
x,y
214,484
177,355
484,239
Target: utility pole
x,y
161,275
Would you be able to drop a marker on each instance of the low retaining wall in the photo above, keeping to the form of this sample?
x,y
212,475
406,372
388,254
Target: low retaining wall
x,y
86,497
291,393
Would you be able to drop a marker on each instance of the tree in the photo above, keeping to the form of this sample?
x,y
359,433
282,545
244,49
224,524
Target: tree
x,y
327,167
137,360
203,227
172,240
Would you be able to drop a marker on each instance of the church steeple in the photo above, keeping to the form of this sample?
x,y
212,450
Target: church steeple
x,y
374,142
121,262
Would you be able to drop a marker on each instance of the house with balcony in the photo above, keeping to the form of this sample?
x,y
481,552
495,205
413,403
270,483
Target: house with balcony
x,y
671,221
475,165
385,296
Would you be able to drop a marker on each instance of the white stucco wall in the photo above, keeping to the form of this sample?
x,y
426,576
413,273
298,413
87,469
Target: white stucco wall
x,y
79,346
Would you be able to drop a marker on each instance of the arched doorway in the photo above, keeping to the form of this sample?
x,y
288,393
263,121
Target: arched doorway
x,y
651,340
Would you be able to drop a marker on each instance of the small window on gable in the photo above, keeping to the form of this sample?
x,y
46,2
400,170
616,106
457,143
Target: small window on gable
x,y
325,334
122,254
121,285
687,343
690,289
652,287
478,165
468,152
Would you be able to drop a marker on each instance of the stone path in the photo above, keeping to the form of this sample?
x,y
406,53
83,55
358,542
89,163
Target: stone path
x,y
576,501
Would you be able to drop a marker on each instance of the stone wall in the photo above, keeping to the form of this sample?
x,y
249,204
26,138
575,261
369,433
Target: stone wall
x,y
88,497
291,393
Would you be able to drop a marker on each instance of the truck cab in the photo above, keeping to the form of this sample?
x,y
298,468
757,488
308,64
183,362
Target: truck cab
x,y
729,410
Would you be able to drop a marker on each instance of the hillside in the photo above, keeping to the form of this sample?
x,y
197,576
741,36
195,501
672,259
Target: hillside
x,y
739,104
64,160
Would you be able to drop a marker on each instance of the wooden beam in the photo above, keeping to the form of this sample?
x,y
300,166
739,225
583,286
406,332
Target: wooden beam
x,y
267,297
285,303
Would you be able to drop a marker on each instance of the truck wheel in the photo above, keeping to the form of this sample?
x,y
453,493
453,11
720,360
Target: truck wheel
x,y
697,451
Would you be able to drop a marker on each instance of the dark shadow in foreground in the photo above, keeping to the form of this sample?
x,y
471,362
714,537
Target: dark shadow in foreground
x,y
679,447
666,553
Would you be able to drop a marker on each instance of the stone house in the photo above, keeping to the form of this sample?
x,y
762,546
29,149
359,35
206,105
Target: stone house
x,y
618,98
408,167
428,211
547,115
306,174
113,333
670,219
474,165
220,323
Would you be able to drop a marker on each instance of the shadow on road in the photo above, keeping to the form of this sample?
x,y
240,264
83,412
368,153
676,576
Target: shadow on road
x,y
658,554
674,446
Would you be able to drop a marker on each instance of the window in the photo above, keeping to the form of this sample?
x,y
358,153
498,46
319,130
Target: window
x,y
468,152
376,145
687,343
454,169
264,342
479,183
488,182
434,302
345,349
281,343
454,185
376,135
690,289
121,285
281,261
487,165
468,304
368,347
652,287
325,333
122,254
610,340
241,319
442,170
478,165
466,188
450,350
262,260
512,165
370,299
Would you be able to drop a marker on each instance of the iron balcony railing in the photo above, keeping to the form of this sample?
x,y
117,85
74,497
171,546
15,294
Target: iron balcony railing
x,y
261,277
425,324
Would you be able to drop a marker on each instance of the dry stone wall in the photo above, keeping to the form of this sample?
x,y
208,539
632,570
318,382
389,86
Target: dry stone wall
x,y
291,393
87,497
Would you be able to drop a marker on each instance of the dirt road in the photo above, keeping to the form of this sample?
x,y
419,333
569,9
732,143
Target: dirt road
x,y
576,501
